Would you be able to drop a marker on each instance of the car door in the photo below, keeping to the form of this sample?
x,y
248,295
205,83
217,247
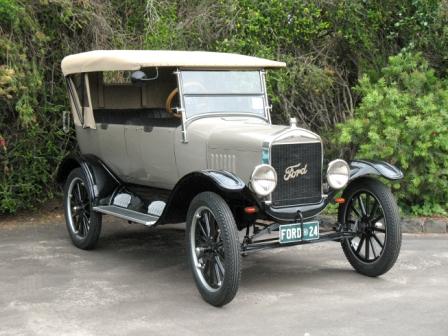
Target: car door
x,y
135,172
157,145
112,149
150,149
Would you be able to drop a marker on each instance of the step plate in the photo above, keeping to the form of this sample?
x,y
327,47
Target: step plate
x,y
130,215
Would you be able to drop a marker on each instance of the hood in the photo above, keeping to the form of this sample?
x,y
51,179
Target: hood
x,y
246,133
236,144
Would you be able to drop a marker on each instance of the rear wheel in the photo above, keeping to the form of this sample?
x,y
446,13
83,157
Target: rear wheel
x,y
83,224
370,210
213,248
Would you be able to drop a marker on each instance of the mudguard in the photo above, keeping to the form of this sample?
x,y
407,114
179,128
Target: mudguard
x,y
226,184
101,180
224,180
359,168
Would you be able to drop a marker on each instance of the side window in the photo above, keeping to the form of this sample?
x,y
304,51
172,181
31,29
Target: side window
x,y
78,87
79,81
119,77
119,101
119,93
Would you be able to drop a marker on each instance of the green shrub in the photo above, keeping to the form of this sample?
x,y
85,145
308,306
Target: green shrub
x,y
9,12
403,119
326,45
34,37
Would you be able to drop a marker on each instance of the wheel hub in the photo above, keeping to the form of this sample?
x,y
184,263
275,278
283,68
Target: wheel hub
x,y
365,212
365,225
78,209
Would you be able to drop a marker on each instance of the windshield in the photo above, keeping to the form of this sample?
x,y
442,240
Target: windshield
x,y
223,92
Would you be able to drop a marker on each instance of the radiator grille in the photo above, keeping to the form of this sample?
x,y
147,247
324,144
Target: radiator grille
x,y
302,182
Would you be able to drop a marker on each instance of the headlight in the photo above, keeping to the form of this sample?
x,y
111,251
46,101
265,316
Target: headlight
x,y
338,173
263,180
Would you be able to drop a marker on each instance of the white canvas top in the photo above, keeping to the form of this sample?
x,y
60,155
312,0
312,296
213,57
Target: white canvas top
x,y
109,60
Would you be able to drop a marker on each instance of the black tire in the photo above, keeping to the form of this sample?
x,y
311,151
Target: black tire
x,y
208,245
83,224
371,210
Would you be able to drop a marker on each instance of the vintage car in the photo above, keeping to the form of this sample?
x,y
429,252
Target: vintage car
x,y
177,136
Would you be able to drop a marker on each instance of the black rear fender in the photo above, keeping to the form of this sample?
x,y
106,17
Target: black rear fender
x,y
101,180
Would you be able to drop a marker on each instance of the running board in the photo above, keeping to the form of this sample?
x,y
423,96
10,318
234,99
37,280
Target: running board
x,y
130,215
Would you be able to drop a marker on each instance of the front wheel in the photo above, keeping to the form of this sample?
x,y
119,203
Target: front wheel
x,y
371,212
213,248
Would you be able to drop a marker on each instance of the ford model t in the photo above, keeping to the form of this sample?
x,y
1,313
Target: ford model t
x,y
174,136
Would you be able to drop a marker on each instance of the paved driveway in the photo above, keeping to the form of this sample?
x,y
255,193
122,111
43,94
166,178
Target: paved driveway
x,y
137,283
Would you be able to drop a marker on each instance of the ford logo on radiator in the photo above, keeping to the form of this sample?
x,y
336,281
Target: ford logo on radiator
x,y
292,172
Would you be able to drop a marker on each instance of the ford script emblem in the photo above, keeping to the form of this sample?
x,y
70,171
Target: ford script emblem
x,y
292,172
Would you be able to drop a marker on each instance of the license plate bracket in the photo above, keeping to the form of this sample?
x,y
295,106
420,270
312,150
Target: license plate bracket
x,y
291,233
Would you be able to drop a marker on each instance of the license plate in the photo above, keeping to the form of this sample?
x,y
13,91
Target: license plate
x,y
290,233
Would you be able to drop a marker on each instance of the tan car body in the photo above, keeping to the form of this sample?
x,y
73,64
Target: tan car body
x,y
160,158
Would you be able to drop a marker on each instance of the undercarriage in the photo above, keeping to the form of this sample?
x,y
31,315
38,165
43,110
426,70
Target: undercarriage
x,y
255,242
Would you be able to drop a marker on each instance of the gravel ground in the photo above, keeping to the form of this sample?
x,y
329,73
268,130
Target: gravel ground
x,y
137,283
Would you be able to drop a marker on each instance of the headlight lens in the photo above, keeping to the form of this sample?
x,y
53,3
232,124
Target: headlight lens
x,y
338,173
263,180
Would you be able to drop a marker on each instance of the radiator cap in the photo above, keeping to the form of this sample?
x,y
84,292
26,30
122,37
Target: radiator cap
x,y
293,122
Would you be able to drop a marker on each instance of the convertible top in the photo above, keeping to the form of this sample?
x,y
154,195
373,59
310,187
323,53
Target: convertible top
x,y
109,60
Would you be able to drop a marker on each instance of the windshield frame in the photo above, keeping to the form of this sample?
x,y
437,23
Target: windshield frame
x,y
187,119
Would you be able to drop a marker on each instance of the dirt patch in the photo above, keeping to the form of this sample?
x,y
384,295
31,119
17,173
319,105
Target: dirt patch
x,y
50,212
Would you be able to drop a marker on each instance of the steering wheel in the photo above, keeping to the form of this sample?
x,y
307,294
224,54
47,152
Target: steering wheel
x,y
170,98
169,103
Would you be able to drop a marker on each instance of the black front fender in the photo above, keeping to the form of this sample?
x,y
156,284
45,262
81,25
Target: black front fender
x,y
224,180
225,184
360,168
